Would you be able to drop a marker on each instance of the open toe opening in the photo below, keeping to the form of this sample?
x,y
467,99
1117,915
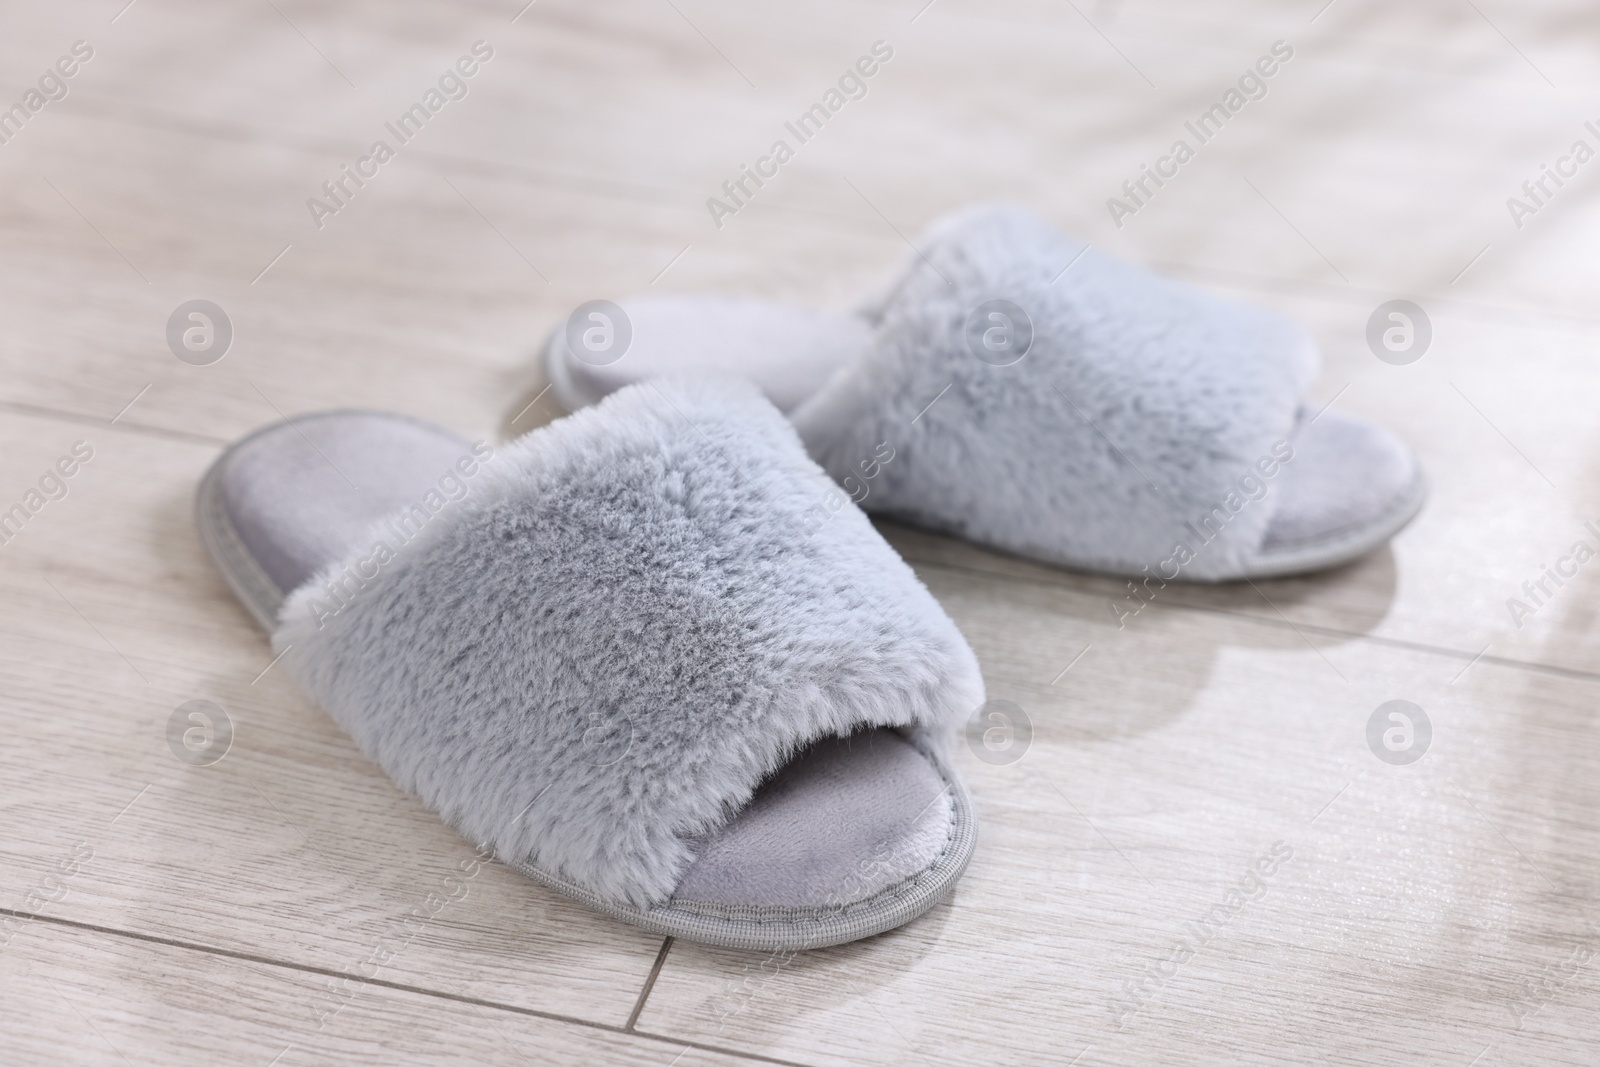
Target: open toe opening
x,y
1349,487
846,819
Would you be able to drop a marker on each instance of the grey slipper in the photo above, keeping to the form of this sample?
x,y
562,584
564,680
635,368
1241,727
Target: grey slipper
x,y
1016,388
624,652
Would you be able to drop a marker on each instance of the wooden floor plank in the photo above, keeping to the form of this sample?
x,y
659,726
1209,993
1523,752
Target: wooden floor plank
x,y
1409,131
76,996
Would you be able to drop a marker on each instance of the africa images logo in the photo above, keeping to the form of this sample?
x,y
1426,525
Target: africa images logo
x,y
1399,732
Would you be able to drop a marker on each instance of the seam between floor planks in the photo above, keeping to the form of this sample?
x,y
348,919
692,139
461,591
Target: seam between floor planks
x,y
438,994
138,116
1535,666
1346,293
649,984
80,419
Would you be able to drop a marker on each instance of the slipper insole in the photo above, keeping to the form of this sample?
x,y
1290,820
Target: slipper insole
x,y
1346,474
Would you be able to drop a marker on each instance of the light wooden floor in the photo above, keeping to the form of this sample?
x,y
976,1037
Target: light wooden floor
x,y
247,912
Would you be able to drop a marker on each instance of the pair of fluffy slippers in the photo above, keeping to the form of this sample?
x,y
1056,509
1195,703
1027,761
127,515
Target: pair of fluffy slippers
x,y
655,659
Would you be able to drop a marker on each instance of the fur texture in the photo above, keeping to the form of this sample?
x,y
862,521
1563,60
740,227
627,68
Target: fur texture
x,y
597,657
1137,409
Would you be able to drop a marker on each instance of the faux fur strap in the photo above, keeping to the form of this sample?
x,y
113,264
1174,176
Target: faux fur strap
x,y
639,613
1140,406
